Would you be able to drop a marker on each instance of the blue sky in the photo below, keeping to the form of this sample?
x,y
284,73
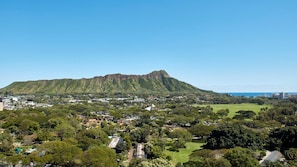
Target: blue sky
x,y
219,45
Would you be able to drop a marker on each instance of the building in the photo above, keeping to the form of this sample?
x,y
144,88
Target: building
x,y
283,95
272,157
1,104
93,123
150,108
115,141
140,151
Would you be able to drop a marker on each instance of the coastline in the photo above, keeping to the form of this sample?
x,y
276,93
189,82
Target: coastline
x,y
257,94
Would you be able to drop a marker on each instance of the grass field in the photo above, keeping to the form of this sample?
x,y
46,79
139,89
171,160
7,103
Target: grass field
x,y
233,108
183,154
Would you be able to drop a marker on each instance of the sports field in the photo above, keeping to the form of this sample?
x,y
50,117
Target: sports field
x,y
183,154
233,108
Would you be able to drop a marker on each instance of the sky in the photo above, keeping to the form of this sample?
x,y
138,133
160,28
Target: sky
x,y
218,45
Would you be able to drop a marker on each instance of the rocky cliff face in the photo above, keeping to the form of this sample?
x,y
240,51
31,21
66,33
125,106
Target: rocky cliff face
x,y
121,77
154,82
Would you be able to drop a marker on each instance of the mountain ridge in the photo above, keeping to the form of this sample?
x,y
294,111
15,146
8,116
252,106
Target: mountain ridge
x,y
154,82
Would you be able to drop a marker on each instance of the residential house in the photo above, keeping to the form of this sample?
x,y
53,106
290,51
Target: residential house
x,y
272,157
140,151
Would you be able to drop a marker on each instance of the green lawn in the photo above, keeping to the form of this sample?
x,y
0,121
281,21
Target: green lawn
x,y
233,108
183,154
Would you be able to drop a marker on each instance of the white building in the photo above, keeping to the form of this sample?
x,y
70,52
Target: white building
x,y
150,108
140,151
283,95
1,105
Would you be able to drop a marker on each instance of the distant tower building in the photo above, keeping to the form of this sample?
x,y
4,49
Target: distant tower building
x,y
283,95
1,104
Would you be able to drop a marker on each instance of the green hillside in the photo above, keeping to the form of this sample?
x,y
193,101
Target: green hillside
x,y
155,82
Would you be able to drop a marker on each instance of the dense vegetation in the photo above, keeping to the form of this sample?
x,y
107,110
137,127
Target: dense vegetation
x,y
175,129
61,136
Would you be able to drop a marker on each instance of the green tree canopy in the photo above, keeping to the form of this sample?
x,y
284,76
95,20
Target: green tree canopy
x,y
283,138
241,157
153,151
244,114
223,112
91,137
208,162
64,130
29,127
181,134
100,157
6,141
60,153
159,162
231,136
139,135
201,130
291,154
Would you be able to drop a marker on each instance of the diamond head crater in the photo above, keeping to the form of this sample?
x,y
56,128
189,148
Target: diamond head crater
x,y
154,82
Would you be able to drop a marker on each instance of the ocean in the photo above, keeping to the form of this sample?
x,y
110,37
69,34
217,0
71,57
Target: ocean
x,y
257,94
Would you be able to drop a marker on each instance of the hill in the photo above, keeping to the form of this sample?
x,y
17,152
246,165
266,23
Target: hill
x,y
154,82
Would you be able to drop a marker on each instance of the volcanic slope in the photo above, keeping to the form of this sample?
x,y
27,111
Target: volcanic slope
x,y
154,82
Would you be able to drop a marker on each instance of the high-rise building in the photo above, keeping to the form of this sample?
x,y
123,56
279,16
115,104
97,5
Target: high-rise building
x,y
1,104
283,95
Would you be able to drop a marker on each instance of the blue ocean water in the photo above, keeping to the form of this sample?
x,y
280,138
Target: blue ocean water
x,y
257,94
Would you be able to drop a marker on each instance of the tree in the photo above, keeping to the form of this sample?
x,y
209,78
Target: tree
x,y
206,157
153,151
29,127
192,164
292,162
200,155
181,119
53,122
177,144
91,137
135,162
213,162
231,136
14,159
100,157
244,114
201,130
64,130
223,112
283,112
43,135
241,157
159,162
139,135
208,162
6,142
13,129
276,164
181,134
108,128
291,154
258,100
283,138
127,139
121,147
61,153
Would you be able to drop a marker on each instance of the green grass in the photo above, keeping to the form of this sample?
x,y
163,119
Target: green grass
x,y
233,108
183,154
